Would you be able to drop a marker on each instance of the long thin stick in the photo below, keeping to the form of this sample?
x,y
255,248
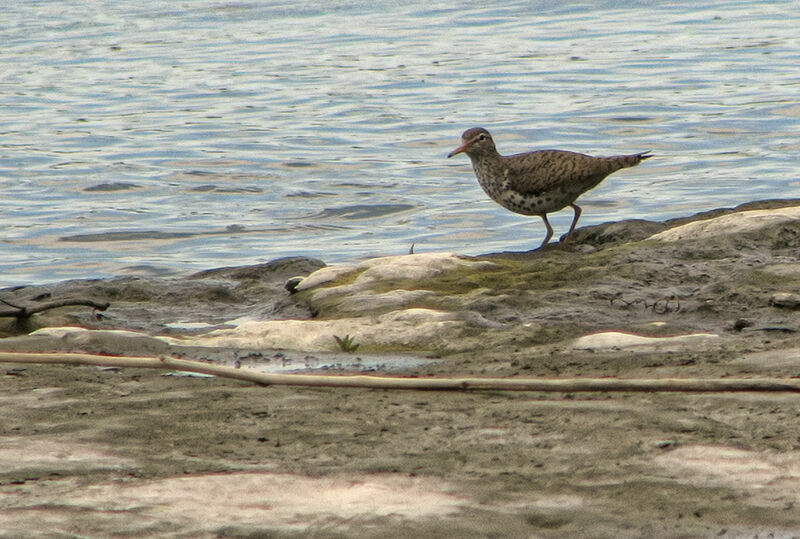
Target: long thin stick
x,y
568,385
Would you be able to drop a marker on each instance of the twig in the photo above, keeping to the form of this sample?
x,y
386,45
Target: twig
x,y
563,385
22,312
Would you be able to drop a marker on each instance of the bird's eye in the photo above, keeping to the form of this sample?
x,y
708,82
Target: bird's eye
x,y
482,137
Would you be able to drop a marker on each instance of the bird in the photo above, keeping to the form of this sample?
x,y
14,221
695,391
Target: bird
x,y
538,182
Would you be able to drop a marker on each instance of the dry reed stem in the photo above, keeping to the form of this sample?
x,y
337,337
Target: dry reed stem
x,y
565,385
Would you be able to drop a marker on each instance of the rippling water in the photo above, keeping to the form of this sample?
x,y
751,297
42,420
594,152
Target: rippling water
x,y
157,137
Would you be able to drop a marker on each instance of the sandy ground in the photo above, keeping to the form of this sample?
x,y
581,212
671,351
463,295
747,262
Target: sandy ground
x,y
93,452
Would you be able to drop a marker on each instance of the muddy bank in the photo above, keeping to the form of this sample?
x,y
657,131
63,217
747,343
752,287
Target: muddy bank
x,y
92,451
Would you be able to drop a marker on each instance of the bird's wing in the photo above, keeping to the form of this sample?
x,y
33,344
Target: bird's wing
x,y
544,170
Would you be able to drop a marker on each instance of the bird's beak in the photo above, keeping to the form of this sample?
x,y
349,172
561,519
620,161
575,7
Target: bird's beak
x,y
458,150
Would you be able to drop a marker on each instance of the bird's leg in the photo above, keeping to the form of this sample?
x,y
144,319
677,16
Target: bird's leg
x,y
549,230
574,220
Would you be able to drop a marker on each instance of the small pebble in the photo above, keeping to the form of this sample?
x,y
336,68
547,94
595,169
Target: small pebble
x,y
292,283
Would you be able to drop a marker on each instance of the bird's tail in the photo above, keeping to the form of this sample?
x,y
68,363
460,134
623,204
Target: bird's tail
x,y
624,161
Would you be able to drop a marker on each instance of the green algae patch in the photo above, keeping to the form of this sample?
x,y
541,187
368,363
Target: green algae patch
x,y
454,281
344,279
511,274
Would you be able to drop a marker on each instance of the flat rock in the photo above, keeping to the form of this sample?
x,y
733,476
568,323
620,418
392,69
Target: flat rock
x,y
730,224
417,267
379,284
617,232
407,328
78,339
617,340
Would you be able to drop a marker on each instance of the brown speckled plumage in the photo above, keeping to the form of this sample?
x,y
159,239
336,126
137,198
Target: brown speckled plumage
x,y
540,182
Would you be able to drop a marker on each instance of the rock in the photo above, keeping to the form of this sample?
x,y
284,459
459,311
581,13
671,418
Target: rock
x,y
741,323
399,329
617,340
617,232
380,284
274,270
731,224
417,267
155,304
368,301
292,282
95,341
785,300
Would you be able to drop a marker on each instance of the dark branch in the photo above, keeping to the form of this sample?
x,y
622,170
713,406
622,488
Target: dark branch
x,y
21,312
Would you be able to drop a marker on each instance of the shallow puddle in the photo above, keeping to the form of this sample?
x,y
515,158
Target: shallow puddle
x,y
286,362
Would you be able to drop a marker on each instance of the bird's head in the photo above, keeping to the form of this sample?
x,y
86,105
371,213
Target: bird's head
x,y
474,142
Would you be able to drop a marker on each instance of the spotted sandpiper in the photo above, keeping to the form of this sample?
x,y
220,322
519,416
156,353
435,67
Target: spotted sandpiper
x,y
540,182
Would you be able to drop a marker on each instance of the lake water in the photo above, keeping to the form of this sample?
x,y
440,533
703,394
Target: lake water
x,y
155,138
